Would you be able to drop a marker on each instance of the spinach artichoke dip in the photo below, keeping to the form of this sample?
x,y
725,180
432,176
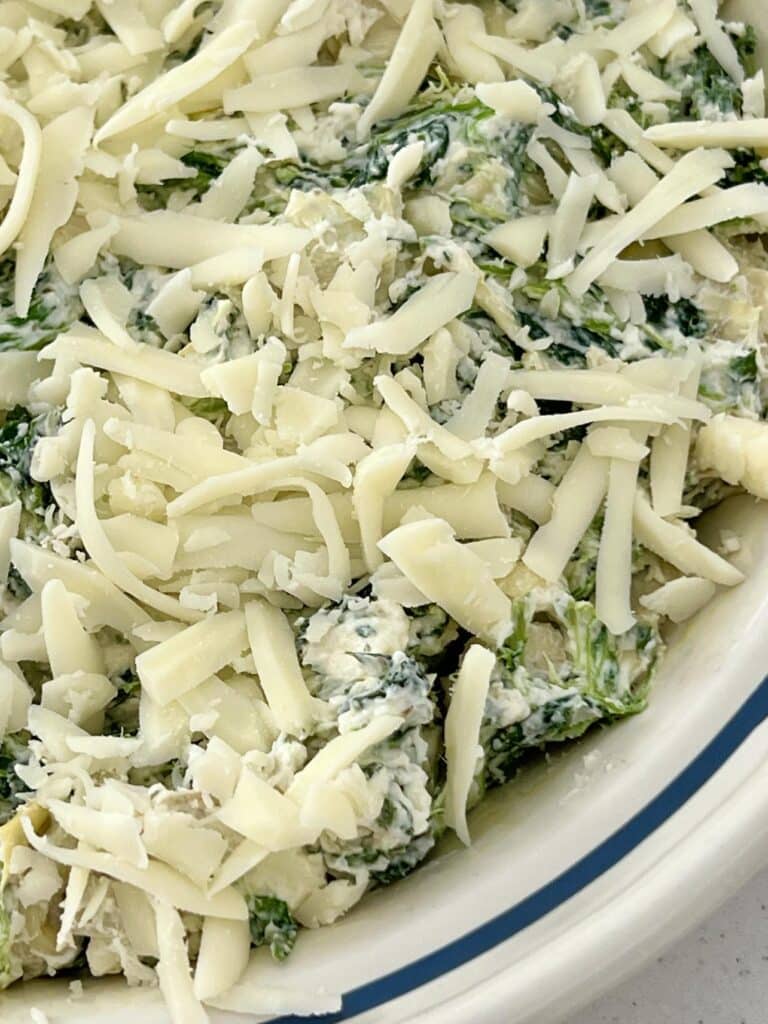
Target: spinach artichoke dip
x,y
365,366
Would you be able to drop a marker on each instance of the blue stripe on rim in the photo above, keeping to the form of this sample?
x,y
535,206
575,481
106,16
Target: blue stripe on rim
x,y
605,856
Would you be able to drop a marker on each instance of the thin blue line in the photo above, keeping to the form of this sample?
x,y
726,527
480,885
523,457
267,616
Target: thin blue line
x,y
605,856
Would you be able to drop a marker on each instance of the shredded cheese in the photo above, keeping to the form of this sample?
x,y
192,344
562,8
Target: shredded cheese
x,y
574,505
416,46
274,653
186,78
442,299
177,665
452,576
144,362
693,173
462,734
29,170
63,144
614,560
678,546
680,599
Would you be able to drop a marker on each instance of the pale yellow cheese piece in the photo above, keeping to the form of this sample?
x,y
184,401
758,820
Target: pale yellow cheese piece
x,y
679,546
452,576
173,971
339,753
690,175
614,559
263,814
177,665
29,171
521,240
294,87
69,647
574,506
460,22
170,88
416,46
273,647
64,141
178,240
376,477
462,734
225,948
152,365
680,599
156,879
18,371
440,300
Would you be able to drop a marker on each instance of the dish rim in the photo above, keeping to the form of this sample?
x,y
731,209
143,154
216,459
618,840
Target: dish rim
x,y
591,867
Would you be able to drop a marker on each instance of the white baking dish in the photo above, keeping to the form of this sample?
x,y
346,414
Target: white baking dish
x,y
580,870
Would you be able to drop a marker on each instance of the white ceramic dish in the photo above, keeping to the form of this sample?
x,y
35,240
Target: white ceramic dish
x,y
580,870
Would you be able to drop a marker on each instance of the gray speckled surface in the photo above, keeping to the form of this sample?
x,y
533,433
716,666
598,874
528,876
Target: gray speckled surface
x,y
716,975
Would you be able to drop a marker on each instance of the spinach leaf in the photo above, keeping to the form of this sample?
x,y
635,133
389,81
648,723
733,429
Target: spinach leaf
x,y
14,750
54,307
272,924
18,436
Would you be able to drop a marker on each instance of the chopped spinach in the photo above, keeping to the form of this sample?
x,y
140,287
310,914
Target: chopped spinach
x,y
683,315
743,369
707,90
18,436
272,924
564,671
121,716
54,307
14,750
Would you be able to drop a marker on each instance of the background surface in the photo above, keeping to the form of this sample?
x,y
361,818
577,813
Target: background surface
x,y
716,975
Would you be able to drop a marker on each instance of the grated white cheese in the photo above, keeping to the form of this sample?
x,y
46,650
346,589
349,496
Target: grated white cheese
x,y
29,171
694,134
614,560
294,87
521,240
273,649
376,477
720,44
178,240
680,599
671,447
62,151
460,23
144,362
574,505
178,664
512,99
462,734
442,299
416,46
678,546
568,223
181,81
173,971
693,173
451,575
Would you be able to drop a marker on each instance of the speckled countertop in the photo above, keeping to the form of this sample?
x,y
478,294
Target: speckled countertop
x,y
716,975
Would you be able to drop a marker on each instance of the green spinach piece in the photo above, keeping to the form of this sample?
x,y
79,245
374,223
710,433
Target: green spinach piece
x,y
13,750
54,307
272,924
563,665
683,315
18,436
